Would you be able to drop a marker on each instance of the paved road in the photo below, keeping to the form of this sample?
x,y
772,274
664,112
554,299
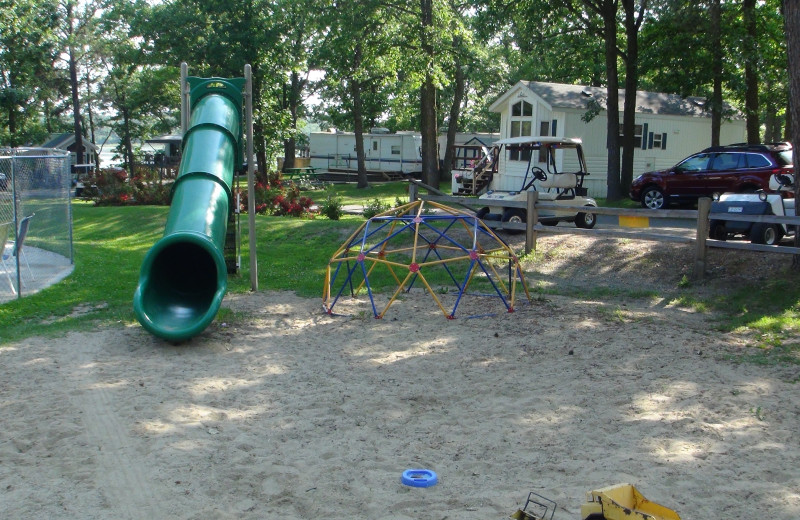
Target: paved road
x,y
609,221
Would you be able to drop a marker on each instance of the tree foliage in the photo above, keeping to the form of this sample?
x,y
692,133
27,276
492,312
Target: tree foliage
x,y
424,65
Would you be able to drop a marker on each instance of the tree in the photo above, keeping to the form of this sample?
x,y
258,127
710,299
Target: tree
x,y
359,55
606,10
462,58
792,23
297,22
715,34
633,22
751,71
28,50
219,39
144,97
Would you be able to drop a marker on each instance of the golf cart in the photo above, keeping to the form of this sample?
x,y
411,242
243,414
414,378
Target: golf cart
x,y
534,163
759,203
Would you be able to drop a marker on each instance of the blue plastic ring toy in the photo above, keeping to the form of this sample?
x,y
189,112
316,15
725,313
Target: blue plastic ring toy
x,y
419,478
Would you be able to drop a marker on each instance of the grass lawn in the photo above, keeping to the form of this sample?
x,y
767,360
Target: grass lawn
x,y
110,243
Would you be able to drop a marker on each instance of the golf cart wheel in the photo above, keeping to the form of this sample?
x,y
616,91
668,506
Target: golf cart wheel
x,y
717,231
768,234
481,213
514,215
585,220
653,198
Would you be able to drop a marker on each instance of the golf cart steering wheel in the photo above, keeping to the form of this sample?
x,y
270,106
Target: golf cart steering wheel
x,y
784,180
538,173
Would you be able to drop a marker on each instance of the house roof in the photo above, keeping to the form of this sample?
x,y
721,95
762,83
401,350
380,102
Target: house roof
x,y
560,95
165,139
64,141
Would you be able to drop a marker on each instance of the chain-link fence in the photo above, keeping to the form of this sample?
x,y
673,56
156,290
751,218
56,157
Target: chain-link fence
x,y
35,219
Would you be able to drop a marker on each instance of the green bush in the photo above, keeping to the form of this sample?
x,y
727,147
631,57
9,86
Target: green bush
x,y
375,207
332,205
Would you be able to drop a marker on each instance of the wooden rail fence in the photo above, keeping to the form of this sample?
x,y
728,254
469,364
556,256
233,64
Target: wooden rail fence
x,y
702,216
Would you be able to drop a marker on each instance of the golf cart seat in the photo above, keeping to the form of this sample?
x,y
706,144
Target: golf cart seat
x,y
559,180
548,195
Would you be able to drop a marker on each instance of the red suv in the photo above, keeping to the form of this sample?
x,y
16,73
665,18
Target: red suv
x,y
733,168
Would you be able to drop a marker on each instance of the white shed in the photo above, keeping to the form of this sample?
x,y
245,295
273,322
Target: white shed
x,y
668,127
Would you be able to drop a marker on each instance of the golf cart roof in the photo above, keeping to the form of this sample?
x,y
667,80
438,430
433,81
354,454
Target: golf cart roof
x,y
540,140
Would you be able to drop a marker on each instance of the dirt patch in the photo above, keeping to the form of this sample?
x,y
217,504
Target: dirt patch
x,y
639,266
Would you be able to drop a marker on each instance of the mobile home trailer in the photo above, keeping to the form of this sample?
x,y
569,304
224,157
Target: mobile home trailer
x,y
383,152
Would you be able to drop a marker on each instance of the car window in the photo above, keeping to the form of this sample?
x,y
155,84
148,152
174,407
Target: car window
x,y
726,161
755,160
694,163
785,158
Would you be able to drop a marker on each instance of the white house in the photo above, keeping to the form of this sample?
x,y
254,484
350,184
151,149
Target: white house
x,y
668,127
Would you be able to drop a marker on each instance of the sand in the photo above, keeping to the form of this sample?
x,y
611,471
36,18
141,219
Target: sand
x,y
286,412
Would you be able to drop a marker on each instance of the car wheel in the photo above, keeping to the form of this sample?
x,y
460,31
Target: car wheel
x,y
717,231
481,213
514,215
768,234
653,198
585,220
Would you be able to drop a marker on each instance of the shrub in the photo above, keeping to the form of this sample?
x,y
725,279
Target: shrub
x,y
276,197
332,205
112,187
374,207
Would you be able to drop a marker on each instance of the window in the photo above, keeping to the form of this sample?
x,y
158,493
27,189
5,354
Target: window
x,y
395,149
375,145
755,160
637,135
544,129
695,163
656,141
519,128
726,161
521,109
521,125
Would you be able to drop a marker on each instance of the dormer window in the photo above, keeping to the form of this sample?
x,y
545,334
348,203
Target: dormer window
x,y
521,109
521,125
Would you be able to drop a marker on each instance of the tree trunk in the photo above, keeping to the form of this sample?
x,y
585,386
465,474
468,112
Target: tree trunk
x,y
715,28
792,25
609,14
358,127
632,24
751,71
127,142
292,102
259,144
90,114
358,119
12,119
76,107
455,111
430,158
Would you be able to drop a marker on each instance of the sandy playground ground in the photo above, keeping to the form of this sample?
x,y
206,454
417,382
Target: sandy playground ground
x,y
286,412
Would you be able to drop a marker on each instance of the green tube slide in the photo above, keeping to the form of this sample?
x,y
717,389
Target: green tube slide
x,y
184,275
